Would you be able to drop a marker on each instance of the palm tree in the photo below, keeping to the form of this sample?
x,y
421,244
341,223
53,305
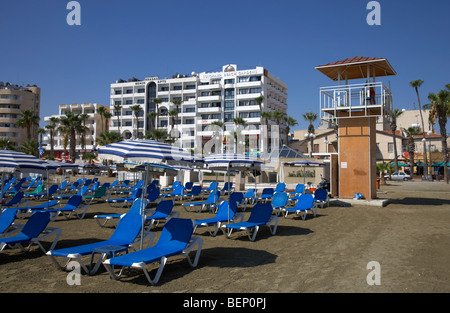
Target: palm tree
x,y
27,120
89,157
278,115
259,100
101,111
51,128
83,118
266,115
107,115
219,124
157,102
410,133
381,167
30,147
394,114
6,144
177,105
117,109
173,114
238,121
440,109
290,121
416,84
136,111
310,117
158,135
64,130
74,125
152,117
108,137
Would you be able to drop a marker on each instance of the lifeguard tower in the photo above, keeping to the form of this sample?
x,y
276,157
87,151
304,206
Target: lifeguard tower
x,y
355,108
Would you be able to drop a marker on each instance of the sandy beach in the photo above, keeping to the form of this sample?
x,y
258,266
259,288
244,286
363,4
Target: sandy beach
x,y
329,253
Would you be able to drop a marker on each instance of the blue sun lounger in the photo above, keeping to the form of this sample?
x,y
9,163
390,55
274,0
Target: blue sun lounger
x,y
7,224
279,201
175,239
211,200
220,217
135,208
305,202
73,205
14,201
32,232
125,235
163,211
261,215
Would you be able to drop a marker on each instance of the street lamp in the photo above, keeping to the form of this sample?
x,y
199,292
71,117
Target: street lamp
x,y
311,137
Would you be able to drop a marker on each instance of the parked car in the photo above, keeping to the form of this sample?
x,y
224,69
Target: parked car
x,y
398,176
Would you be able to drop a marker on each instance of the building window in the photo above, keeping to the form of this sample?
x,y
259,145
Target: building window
x,y
254,114
255,90
129,91
228,117
229,81
229,93
229,106
128,101
244,79
141,90
390,147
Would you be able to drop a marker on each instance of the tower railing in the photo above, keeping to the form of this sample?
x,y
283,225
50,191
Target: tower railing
x,y
370,99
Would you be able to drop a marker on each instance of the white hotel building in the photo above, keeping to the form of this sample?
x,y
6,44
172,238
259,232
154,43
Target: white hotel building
x,y
206,98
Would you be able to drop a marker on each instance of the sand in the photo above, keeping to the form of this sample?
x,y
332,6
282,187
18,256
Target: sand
x,y
409,239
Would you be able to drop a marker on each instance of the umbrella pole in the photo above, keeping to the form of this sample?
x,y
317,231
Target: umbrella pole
x,y
3,185
47,188
229,196
142,206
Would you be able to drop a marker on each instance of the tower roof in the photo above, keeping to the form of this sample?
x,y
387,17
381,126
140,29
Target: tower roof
x,y
357,67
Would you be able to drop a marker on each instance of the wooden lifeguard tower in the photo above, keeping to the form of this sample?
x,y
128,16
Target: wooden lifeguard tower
x,y
355,108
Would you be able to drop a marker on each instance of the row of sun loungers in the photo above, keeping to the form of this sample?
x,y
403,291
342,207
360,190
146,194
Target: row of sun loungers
x,y
177,236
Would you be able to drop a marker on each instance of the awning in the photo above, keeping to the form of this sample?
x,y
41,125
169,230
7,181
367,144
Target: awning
x,y
356,68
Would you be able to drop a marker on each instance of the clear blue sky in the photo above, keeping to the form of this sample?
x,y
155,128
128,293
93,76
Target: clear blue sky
x,y
141,38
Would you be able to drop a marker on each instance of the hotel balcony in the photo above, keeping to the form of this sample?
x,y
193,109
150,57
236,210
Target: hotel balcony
x,y
209,87
346,101
210,98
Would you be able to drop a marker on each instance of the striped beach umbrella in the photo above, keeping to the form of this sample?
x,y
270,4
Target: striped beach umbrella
x,y
144,151
232,162
12,161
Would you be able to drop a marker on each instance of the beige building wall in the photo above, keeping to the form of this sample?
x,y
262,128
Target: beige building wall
x,y
93,123
411,118
13,100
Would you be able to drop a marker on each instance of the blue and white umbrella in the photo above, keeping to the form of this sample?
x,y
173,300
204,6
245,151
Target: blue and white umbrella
x,y
144,151
232,162
12,161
